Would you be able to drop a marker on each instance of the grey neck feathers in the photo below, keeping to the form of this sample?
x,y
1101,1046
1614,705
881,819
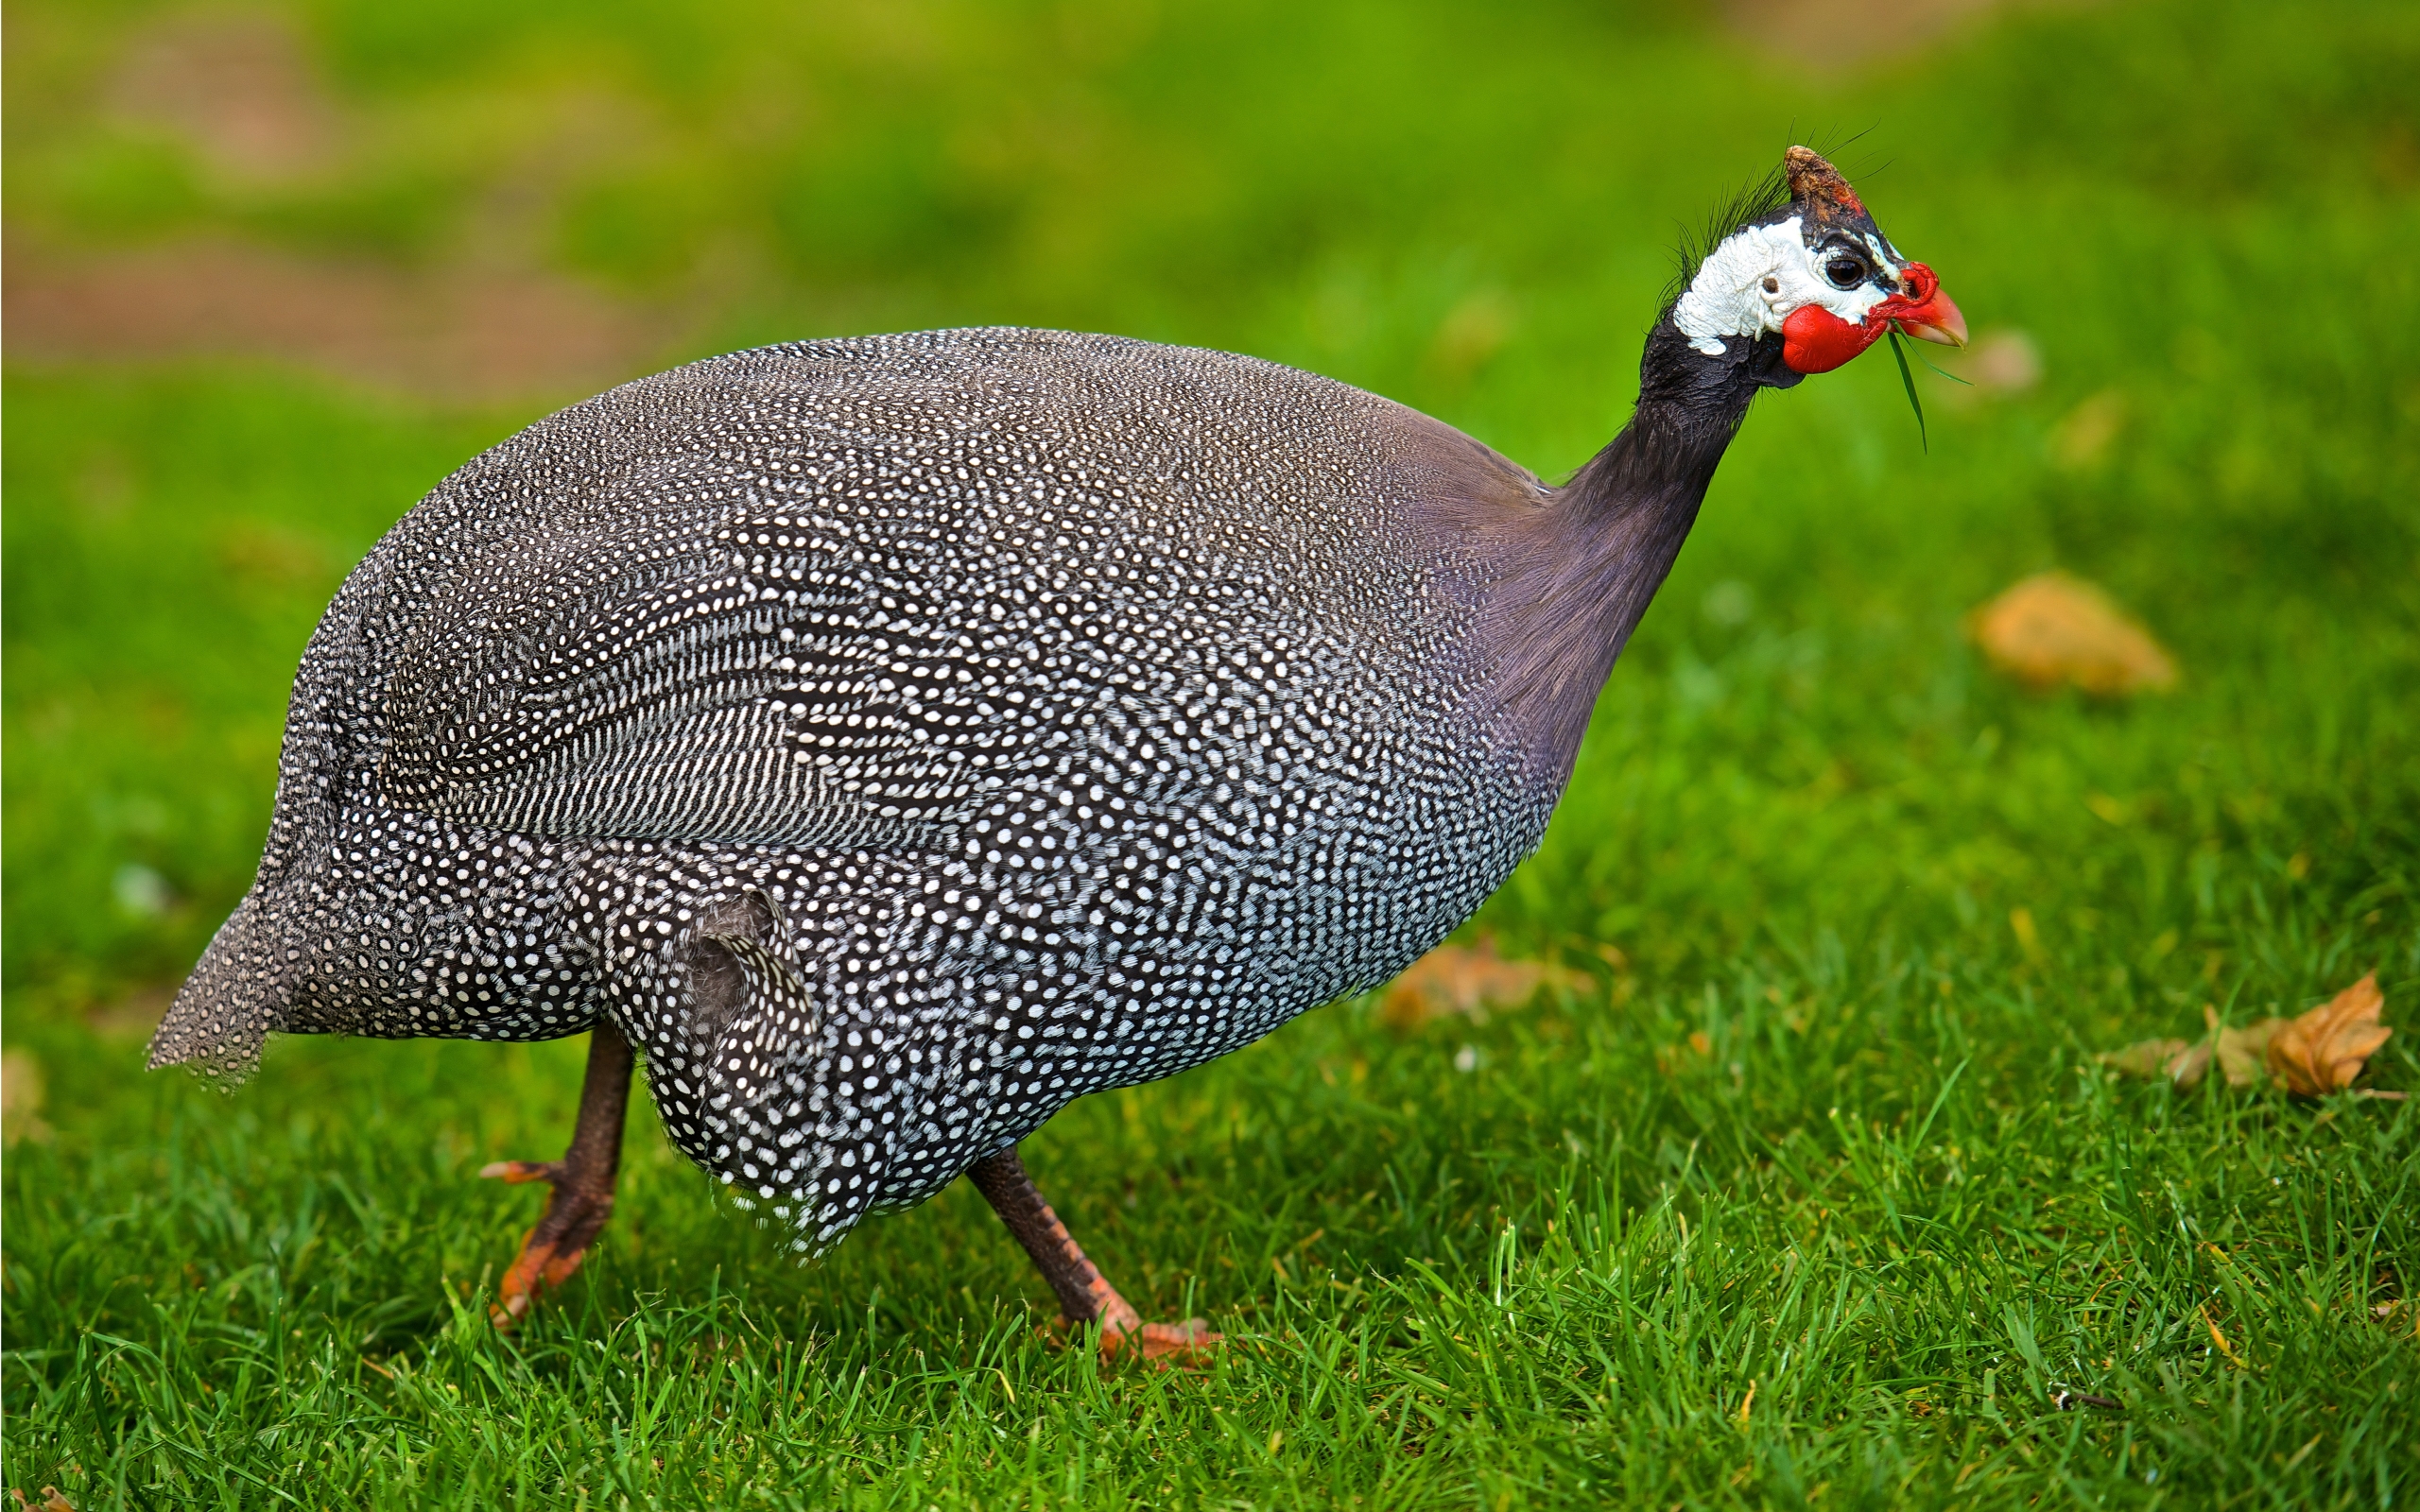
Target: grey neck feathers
x,y
1585,566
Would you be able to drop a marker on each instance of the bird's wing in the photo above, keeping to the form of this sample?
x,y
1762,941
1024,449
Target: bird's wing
x,y
769,598
700,651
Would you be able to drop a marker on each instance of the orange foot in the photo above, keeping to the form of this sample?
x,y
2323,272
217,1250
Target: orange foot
x,y
551,1252
1188,1345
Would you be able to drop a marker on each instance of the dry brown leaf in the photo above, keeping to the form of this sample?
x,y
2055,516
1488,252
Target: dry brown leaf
x,y
51,1501
20,1098
1464,979
2145,1057
2320,1053
2325,1048
2237,1053
2240,1052
2054,629
2186,1069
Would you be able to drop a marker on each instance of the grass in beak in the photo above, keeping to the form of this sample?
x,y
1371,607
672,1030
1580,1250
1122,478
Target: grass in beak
x,y
1907,380
1943,372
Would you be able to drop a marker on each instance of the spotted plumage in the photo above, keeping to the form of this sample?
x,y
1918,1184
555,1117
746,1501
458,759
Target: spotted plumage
x,y
894,739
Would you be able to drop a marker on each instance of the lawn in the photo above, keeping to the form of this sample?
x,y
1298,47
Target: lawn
x,y
1799,1185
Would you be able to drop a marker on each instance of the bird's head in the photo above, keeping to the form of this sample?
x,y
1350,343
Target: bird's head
x,y
1802,281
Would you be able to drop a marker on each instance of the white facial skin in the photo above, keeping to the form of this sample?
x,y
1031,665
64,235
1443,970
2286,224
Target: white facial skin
x,y
1761,274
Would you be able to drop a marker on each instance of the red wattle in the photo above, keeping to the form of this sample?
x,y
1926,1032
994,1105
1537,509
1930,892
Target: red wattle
x,y
1813,340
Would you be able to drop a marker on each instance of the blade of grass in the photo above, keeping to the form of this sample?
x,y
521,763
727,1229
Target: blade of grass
x,y
1907,380
1963,383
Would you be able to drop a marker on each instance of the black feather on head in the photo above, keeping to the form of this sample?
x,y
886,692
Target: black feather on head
x,y
1801,171
1753,202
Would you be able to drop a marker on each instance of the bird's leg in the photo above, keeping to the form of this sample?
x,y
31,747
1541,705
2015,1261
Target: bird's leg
x,y
1084,1295
583,1181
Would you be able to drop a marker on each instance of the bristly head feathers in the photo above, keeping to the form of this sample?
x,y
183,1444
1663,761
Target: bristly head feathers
x,y
1797,256
1755,200
1806,176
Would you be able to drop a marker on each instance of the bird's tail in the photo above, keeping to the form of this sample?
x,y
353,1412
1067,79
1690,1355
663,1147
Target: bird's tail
x,y
227,1006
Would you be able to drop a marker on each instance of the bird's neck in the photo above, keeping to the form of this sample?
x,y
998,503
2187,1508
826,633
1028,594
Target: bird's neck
x,y
1597,553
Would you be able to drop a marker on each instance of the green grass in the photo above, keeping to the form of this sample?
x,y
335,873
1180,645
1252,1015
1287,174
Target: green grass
x,y
1825,1130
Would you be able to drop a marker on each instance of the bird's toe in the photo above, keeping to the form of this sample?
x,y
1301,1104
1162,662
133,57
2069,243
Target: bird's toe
x,y
517,1171
1189,1343
518,1292
552,1251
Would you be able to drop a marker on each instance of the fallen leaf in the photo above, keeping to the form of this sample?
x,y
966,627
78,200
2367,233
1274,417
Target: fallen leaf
x,y
1464,979
2320,1053
20,1098
51,1501
2187,1070
2184,1062
2054,629
2241,1052
2145,1057
2237,1052
2325,1048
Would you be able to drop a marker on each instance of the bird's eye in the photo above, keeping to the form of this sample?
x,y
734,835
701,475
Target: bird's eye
x,y
1845,272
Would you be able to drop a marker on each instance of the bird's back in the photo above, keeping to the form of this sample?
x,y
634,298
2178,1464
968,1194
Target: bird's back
x,y
898,737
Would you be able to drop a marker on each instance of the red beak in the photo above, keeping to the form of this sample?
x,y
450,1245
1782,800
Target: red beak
x,y
1924,311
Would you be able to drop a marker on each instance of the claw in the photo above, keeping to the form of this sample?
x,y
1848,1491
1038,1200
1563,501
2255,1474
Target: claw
x,y
518,1292
1084,1295
516,1172
541,1265
583,1181
552,1252
1186,1346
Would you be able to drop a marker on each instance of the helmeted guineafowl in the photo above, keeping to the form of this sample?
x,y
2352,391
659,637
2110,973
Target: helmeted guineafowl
x,y
894,739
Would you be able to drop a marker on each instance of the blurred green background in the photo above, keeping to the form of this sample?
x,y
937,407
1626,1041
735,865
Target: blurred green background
x,y
1851,911
277,270
273,271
